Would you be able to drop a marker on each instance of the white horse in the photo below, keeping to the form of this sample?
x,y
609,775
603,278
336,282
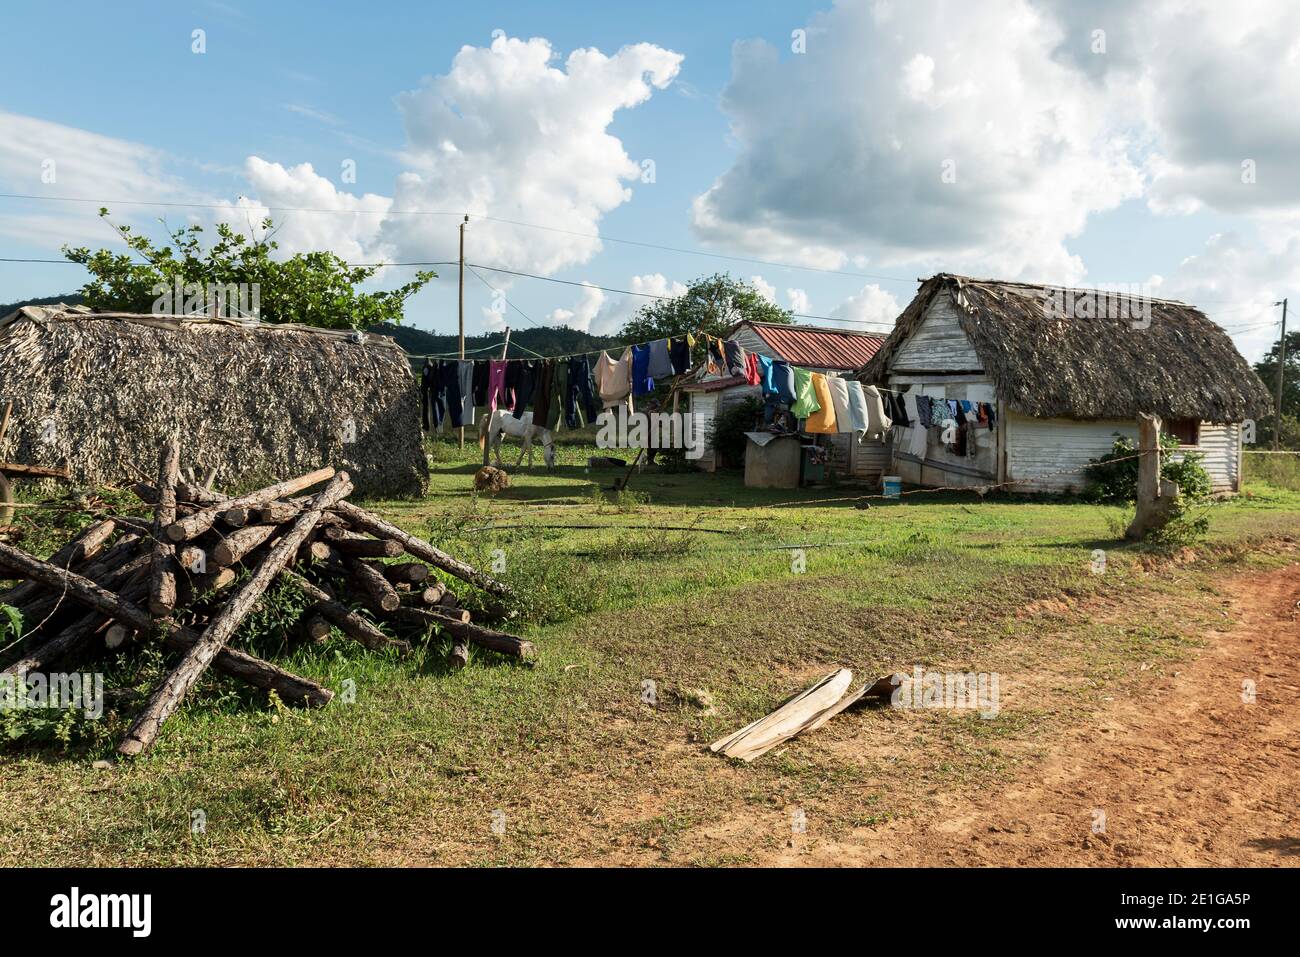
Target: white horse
x,y
503,422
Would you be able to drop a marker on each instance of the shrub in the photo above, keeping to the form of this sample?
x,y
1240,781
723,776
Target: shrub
x,y
727,434
1113,476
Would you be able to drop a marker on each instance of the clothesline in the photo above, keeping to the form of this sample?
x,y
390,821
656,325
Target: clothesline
x,y
566,355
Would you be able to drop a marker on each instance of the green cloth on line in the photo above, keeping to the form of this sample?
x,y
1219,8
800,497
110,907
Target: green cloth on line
x,y
805,398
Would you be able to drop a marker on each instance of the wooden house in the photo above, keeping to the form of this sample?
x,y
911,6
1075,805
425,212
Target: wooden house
x,y
820,349
1065,370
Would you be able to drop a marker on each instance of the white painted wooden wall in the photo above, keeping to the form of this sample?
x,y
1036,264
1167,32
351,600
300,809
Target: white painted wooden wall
x,y
1037,447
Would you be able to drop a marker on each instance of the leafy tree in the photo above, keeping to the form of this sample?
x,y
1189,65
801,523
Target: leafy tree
x,y
712,304
1266,369
314,289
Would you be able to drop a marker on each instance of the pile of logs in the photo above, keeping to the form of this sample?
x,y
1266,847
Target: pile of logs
x,y
126,579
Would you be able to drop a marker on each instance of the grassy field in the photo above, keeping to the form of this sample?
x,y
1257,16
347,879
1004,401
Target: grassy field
x,y
728,599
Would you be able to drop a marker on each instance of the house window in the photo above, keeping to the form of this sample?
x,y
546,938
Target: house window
x,y
1186,431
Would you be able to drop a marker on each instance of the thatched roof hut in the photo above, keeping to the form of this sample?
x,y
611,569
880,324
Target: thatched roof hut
x,y
1141,355
1067,369
96,393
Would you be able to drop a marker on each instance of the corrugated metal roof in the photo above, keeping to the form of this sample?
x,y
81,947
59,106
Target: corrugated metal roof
x,y
815,346
713,385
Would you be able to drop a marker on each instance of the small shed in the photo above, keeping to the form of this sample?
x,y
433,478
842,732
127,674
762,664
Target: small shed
x,y
772,460
96,393
1065,370
811,347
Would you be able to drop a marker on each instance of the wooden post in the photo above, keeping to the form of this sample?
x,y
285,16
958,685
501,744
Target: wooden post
x,y
1155,500
461,306
1281,374
162,586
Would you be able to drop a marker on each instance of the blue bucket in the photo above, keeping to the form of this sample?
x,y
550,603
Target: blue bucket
x,y
893,485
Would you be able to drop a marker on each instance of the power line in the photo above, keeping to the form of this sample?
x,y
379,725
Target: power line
x,y
646,295
492,219
501,294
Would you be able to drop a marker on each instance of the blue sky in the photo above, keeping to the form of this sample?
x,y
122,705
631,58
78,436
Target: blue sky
x,y
1071,164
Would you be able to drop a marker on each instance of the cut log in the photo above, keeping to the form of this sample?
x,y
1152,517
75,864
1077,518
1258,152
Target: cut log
x,y
425,617
458,657
233,547
411,573
360,519
345,619
218,580
361,546
313,626
318,552
168,695
192,559
84,547
198,523
422,597
33,471
497,641
235,517
117,635
274,513
374,586
291,688
162,584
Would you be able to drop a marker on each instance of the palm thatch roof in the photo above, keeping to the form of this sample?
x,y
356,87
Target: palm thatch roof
x,y
1131,355
97,393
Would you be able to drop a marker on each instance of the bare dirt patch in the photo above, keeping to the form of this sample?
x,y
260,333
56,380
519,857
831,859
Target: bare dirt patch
x,y
1183,769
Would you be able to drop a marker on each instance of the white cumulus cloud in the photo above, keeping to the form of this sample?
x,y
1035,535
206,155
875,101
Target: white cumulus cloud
x,y
510,133
871,308
942,132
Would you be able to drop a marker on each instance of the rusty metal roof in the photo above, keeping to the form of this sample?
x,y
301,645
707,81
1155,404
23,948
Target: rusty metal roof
x,y
815,346
713,385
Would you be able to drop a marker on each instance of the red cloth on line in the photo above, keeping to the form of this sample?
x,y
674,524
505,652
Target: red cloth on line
x,y
751,370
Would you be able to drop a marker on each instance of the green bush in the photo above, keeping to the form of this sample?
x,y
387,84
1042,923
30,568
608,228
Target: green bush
x,y
1113,477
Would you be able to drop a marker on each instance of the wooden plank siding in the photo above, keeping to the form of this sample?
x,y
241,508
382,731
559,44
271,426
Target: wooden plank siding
x,y
938,345
1037,447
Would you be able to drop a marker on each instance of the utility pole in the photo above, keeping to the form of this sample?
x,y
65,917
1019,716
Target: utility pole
x,y
461,309
1281,366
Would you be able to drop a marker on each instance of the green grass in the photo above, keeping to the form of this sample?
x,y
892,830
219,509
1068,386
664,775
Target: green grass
x,y
1279,471
691,581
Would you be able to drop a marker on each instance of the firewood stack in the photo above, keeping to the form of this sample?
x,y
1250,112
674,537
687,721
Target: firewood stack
x,y
128,579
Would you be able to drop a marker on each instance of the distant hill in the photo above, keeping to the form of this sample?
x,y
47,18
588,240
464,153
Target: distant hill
x,y
546,340
71,298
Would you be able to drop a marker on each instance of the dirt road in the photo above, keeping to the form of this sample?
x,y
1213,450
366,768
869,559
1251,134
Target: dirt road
x,y
1193,772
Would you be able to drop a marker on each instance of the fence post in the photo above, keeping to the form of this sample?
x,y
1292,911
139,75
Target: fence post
x,y
1155,497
